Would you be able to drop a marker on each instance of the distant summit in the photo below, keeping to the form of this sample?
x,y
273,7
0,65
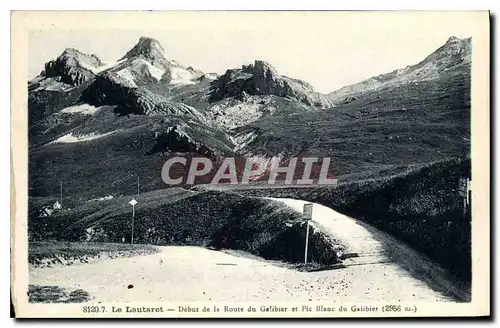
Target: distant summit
x,y
148,48
452,56
72,67
455,51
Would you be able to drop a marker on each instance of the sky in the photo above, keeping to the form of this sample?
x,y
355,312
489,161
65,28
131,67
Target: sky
x,y
328,50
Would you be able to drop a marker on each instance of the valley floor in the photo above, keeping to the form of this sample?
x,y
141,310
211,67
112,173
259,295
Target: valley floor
x,y
385,270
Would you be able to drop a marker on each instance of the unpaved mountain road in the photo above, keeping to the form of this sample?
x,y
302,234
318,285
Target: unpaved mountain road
x,y
381,254
386,270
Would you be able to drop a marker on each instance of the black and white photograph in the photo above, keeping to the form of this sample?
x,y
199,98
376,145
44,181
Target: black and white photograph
x,y
253,164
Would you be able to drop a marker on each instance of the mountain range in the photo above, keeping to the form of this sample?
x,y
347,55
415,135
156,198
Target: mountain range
x,y
96,125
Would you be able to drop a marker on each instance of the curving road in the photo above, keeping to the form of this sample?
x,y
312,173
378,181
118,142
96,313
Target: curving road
x,y
382,258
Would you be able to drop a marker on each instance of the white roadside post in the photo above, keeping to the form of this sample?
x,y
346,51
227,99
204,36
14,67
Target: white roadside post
x,y
307,214
133,202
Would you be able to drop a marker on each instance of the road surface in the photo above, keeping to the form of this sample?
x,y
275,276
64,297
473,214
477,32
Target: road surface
x,y
381,255
385,271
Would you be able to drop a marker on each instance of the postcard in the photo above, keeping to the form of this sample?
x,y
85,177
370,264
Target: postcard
x,y
250,164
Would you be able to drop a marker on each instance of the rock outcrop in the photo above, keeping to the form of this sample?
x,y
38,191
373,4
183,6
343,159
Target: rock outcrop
x,y
142,101
72,67
178,138
261,78
109,89
147,48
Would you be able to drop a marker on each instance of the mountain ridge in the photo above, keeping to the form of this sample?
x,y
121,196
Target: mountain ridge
x,y
453,53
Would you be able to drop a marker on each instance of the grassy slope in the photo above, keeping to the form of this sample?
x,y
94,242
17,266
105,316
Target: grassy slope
x,y
107,165
222,220
64,253
42,103
56,294
421,207
395,126
111,164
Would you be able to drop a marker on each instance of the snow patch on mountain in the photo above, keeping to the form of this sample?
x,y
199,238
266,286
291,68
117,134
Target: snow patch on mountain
x,y
211,76
154,71
106,66
90,64
84,109
127,75
137,70
181,76
72,138
242,140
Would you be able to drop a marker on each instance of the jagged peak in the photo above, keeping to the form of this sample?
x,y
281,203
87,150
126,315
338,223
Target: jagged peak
x,y
72,52
264,65
453,46
146,47
260,67
72,67
261,78
453,41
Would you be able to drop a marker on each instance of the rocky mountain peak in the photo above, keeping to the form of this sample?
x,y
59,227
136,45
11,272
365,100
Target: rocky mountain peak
x,y
453,52
81,56
263,66
260,68
261,78
70,52
456,43
148,48
72,67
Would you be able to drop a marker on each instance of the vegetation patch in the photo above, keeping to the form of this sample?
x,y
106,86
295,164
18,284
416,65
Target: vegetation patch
x,y
50,253
55,294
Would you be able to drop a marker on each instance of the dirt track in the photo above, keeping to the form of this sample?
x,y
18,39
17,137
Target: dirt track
x,y
382,253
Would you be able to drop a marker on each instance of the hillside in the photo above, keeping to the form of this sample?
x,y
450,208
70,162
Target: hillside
x,y
455,54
